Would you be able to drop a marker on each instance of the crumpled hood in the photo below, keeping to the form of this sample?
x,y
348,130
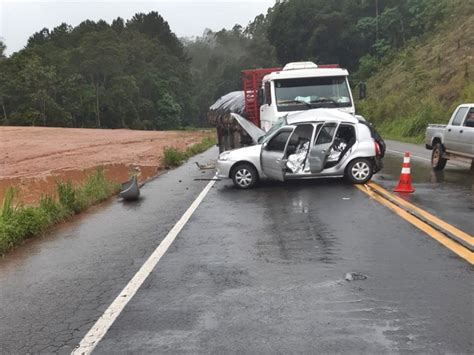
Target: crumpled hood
x,y
252,130
246,152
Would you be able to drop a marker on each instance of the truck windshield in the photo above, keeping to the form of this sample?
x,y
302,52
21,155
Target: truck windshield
x,y
306,93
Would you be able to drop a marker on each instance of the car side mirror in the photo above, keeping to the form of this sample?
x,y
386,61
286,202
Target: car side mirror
x,y
469,123
362,90
261,97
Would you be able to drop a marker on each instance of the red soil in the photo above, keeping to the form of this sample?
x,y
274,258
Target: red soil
x,y
32,159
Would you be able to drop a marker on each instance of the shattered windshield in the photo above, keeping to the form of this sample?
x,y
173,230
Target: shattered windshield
x,y
307,93
272,130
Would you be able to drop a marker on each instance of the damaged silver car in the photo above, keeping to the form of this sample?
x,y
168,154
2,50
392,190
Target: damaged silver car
x,y
317,143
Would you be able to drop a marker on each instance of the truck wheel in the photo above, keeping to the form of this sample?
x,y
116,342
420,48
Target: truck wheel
x,y
437,160
245,176
359,171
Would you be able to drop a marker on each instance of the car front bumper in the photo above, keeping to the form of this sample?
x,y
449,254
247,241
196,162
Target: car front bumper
x,y
223,168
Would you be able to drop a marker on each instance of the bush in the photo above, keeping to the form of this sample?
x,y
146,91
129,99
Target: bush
x,y
173,157
19,222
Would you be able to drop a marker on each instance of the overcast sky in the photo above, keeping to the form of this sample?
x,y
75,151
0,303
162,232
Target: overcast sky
x,y
21,18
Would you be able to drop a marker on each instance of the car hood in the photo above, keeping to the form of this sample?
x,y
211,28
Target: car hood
x,y
252,130
246,152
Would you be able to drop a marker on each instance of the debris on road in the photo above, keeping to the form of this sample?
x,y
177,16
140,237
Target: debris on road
x,y
355,276
130,189
208,166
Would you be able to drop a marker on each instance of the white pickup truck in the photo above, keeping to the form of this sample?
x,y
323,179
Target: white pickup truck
x,y
453,141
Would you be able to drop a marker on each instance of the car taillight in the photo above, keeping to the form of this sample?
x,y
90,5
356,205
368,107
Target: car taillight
x,y
377,149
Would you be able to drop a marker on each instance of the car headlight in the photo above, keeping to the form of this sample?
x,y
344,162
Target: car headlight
x,y
224,156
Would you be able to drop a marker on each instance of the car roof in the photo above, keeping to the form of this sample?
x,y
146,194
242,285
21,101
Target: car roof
x,y
320,114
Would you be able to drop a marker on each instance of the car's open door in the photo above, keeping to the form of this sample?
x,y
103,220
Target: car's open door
x,y
272,156
321,148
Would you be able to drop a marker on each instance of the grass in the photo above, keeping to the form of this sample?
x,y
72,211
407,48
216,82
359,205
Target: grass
x,y
173,157
19,222
424,82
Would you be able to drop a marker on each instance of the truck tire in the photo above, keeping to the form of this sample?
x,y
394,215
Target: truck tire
x,y
437,160
244,176
359,171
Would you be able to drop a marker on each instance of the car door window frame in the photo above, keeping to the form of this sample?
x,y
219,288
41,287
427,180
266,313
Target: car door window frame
x,y
469,112
462,116
336,124
285,129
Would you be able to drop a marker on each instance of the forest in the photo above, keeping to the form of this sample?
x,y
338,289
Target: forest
x,y
138,74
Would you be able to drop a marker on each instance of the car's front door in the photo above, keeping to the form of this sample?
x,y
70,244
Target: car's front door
x,y
273,154
321,148
453,134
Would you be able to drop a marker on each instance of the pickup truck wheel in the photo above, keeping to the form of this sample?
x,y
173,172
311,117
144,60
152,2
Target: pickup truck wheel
x,y
437,160
359,171
245,176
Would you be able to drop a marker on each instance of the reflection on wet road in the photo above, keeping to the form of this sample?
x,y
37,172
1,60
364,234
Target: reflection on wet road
x,y
448,194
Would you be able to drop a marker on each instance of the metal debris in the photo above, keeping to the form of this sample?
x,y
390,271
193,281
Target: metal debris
x,y
208,166
355,276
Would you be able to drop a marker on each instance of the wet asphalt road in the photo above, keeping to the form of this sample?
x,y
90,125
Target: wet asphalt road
x,y
448,194
252,271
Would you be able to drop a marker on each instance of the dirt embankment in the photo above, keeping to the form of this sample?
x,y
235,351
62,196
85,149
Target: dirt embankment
x,y
32,159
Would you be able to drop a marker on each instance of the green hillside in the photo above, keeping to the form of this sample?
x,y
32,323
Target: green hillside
x,y
425,81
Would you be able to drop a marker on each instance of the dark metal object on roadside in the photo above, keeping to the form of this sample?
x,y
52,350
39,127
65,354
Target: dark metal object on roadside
x,y
130,190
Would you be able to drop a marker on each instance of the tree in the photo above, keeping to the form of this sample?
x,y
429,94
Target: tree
x,y
168,112
100,57
3,47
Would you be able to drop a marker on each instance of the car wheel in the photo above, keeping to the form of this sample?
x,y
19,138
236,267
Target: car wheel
x,y
245,176
359,171
437,160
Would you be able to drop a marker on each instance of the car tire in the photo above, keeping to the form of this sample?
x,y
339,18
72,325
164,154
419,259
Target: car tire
x,y
244,176
359,171
437,160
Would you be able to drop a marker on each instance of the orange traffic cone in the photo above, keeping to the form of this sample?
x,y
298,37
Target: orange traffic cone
x,y
404,185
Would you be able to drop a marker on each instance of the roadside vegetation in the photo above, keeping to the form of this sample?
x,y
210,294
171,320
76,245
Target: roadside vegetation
x,y
173,157
424,82
18,222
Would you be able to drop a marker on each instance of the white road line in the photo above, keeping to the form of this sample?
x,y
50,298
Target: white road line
x,y
100,328
412,155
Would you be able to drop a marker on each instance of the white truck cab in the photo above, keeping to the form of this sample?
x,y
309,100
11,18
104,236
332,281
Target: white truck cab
x,y
301,86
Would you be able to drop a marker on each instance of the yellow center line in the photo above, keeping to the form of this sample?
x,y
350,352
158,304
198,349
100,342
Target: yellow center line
x,y
433,233
428,216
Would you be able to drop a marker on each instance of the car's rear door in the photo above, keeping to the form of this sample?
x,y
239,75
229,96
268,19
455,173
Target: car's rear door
x,y
272,156
321,148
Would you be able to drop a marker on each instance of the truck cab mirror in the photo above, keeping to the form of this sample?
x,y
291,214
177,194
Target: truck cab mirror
x,y
362,90
261,97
